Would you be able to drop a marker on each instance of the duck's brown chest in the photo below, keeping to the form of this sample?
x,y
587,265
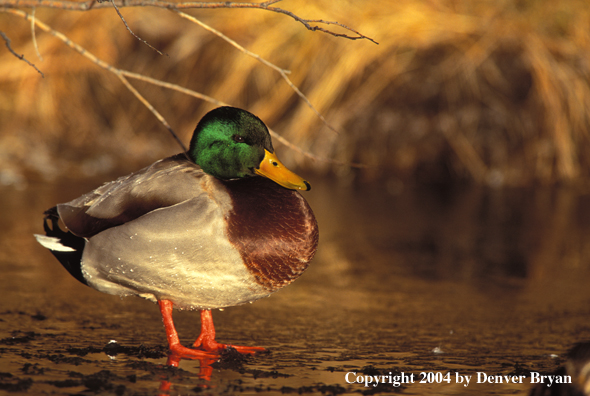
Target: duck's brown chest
x,y
273,229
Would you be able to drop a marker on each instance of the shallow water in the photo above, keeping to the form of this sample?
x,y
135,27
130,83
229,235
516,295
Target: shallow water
x,y
445,282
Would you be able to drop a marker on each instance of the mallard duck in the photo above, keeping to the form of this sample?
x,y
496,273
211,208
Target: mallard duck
x,y
219,226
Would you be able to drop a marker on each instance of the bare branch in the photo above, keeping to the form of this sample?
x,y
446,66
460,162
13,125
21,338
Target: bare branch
x,y
119,73
34,36
122,74
282,72
21,57
131,31
173,87
307,23
93,4
230,41
155,112
313,156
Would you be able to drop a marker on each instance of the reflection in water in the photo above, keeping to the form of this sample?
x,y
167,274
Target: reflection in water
x,y
205,371
496,281
501,237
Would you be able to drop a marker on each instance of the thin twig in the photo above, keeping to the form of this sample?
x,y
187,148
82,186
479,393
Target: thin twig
x,y
313,156
93,4
151,108
232,42
21,57
131,31
121,74
34,36
173,87
281,71
307,23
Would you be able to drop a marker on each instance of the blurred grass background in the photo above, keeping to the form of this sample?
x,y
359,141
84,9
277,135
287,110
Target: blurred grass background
x,y
490,92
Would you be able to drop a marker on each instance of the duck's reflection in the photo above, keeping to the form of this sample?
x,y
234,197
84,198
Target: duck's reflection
x,y
228,358
205,371
205,368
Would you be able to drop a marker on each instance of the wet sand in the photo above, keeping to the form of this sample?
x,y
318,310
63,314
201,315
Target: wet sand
x,y
445,282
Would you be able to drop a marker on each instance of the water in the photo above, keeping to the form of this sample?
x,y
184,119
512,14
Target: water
x,y
438,283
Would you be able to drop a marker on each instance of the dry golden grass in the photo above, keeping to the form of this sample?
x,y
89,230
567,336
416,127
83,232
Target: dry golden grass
x,y
496,92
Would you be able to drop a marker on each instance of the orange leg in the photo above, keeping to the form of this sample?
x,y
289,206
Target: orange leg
x,y
208,347
207,341
173,342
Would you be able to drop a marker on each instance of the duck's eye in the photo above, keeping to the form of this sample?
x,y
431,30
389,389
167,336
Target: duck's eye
x,y
238,139
275,163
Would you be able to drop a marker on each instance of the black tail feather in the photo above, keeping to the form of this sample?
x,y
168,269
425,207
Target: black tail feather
x,y
70,260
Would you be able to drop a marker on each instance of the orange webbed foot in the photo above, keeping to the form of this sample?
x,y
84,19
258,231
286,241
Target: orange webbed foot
x,y
205,346
206,340
214,346
189,353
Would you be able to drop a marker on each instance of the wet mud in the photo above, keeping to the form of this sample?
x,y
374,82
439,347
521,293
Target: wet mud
x,y
428,283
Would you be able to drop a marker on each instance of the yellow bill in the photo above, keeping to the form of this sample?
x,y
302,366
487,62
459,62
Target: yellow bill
x,y
272,168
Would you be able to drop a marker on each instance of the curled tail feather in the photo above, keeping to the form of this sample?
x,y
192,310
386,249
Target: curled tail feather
x,y
65,246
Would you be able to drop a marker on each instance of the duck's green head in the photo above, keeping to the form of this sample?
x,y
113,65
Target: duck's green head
x,y
231,143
